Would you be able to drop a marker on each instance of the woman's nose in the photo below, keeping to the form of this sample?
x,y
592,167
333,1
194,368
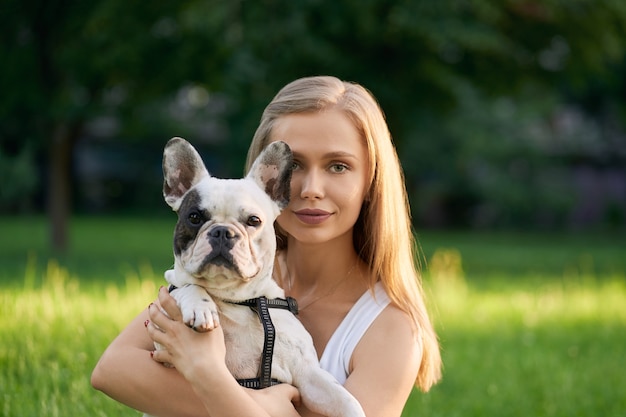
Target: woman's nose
x,y
312,185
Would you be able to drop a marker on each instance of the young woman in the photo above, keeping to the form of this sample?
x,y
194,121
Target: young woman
x,y
346,253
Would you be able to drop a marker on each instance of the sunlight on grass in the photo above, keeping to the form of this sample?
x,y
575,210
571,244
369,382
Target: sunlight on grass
x,y
555,345
556,342
61,298
52,336
572,298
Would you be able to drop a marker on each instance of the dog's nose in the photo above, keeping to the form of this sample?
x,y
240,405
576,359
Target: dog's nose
x,y
223,235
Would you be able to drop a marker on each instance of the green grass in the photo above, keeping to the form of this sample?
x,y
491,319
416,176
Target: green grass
x,y
530,325
51,338
556,350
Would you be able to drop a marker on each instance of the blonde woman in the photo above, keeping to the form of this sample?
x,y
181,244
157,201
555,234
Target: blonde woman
x,y
346,253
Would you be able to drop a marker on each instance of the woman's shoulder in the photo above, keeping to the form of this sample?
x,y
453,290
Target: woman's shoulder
x,y
390,335
389,354
393,321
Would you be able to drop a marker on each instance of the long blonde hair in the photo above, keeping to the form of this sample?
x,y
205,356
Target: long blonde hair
x,y
383,234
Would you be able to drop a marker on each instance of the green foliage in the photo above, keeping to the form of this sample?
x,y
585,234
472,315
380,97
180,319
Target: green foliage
x,y
20,181
493,164
469,87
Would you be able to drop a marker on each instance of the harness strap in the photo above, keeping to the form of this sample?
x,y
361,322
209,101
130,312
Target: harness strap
x,y
288,303
260,306
255,383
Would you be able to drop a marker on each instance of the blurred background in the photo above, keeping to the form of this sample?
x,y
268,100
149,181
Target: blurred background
x,y
506,114
509,117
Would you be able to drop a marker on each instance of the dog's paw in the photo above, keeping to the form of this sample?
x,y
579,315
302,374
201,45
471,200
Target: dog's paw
x,y
198,308
201,315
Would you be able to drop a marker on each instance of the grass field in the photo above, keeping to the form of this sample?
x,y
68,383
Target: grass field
x,y
530,325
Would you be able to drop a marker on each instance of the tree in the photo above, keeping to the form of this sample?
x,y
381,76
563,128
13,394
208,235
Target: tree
x,y
70,63
67,61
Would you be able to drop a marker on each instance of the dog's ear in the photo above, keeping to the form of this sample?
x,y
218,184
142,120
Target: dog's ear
x,y
272,172
182,169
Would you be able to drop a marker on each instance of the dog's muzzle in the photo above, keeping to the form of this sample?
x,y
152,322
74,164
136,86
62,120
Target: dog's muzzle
x,y
222,240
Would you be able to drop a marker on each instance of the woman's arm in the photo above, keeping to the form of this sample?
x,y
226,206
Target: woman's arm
x,y
128,374
384,366
389,354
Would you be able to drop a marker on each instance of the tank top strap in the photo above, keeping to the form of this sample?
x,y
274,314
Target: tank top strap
x,y
338,351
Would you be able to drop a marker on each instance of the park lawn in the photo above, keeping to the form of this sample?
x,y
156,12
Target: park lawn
x,y
557,350
529,324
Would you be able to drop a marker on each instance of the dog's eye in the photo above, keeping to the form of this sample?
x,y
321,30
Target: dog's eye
x,y
254,221
195,218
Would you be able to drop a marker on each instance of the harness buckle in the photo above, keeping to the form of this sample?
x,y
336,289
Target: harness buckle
x,y
292,305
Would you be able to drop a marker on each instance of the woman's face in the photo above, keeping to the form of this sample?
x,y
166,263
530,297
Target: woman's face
x,y
330,176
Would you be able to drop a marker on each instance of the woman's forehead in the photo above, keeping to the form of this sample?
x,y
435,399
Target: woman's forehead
x,y
328,132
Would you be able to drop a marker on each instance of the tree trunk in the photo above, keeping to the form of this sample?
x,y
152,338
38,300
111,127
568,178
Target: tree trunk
x,y
60,185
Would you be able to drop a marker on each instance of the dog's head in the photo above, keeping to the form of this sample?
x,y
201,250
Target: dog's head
x,y
225,235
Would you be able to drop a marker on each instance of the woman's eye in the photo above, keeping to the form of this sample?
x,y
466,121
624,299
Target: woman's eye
x,y
254,221
195,218
338,168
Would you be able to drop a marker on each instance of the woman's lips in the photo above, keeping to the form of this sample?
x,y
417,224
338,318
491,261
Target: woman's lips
x,y
311,216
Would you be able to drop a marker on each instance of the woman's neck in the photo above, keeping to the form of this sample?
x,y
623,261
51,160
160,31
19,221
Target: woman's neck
x,y
312,271
313,264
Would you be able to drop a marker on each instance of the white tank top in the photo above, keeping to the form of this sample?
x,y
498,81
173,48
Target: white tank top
x,y
338,351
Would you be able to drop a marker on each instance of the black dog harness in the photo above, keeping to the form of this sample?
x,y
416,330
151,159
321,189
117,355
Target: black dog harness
x,y
260,306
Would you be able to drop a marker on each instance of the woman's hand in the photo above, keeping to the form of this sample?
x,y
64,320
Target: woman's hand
x,y
200,358
278,400
190,352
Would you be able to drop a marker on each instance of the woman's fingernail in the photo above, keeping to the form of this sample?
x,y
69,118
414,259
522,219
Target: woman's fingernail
x,y
145,323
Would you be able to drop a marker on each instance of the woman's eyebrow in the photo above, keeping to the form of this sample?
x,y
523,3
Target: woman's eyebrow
x,y
339,154
330,155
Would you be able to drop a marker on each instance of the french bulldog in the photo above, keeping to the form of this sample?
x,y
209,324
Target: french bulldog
x,y
224,248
